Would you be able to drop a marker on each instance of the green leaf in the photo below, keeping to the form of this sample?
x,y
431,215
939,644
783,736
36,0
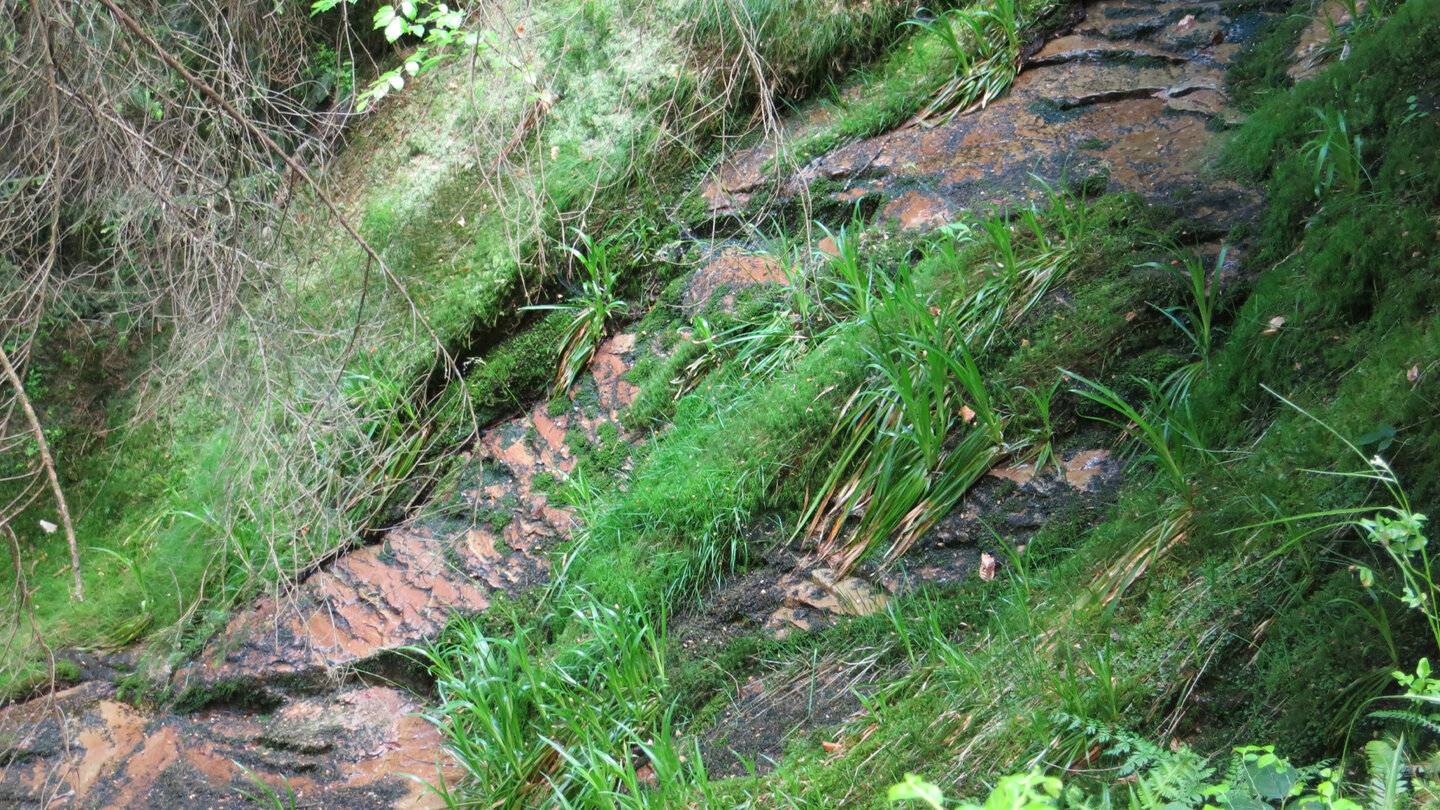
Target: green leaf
x,y
1272,781
916,789
395,29
1235,800
1382,437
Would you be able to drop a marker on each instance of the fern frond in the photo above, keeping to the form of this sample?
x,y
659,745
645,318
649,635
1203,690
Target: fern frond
x,y
1413,719
1387,773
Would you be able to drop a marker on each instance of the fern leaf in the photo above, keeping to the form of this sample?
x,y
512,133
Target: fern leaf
x,y
1387,773
1414,719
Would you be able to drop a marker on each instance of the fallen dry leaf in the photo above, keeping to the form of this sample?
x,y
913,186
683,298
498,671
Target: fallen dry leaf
x,y
987,567
1130,316
1275,324
48,526
966,415
1186,23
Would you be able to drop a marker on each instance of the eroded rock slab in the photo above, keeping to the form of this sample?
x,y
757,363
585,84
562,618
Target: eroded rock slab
x,y
83,748
799,593
276,692
1129,100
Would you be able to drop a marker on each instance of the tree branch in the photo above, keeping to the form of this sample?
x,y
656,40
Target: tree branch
x,y
49,463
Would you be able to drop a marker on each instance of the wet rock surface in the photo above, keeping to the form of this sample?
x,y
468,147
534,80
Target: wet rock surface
x,y
340,750
296,689
1129,99
794,592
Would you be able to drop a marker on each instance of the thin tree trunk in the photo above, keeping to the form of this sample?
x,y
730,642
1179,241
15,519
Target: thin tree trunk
x,y
49,464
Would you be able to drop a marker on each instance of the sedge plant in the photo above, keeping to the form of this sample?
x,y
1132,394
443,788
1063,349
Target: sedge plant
x,y
574,725
591,308
984,40
1196,320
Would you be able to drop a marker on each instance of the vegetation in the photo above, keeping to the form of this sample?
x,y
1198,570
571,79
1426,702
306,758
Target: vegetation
x,y
1247,619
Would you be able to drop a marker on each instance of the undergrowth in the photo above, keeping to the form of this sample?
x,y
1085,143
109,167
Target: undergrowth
x,y
1263,577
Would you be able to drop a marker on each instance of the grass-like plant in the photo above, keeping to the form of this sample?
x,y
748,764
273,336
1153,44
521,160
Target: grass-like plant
x,y
264,795
1334,154
1041,433
820,298
577,725
900,466
592,307
924,426
1395,528
1024,263
984,40
1162,429
1359,19
851,288
1196,319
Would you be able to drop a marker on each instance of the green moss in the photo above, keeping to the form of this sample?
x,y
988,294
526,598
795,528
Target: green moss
x,y
603,459
519,370
1260,68
34,678
237,693
801,43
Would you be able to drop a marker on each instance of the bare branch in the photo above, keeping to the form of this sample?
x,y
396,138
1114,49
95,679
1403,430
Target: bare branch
x,y
49,463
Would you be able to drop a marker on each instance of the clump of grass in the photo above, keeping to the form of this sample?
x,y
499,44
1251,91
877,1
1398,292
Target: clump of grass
x,y
1041,430
590,309
898,465
1335,154
923,426
583,723
1198,321
1169,438
986,54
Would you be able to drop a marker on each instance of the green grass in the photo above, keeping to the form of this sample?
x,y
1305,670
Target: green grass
x,y
566,728
190,503
1189,610
1204,606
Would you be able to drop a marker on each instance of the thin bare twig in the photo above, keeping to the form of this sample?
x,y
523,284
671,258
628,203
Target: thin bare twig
x,y
48,462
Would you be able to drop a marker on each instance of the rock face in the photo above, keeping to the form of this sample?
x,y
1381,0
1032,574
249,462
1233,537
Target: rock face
x,y
1127,100
83,748
284,691
297,689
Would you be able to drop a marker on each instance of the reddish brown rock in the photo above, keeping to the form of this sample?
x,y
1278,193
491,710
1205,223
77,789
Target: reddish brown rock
x,y
1122,103
83,748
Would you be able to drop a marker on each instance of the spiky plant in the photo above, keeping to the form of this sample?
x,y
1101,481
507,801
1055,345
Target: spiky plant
x,y
592,307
